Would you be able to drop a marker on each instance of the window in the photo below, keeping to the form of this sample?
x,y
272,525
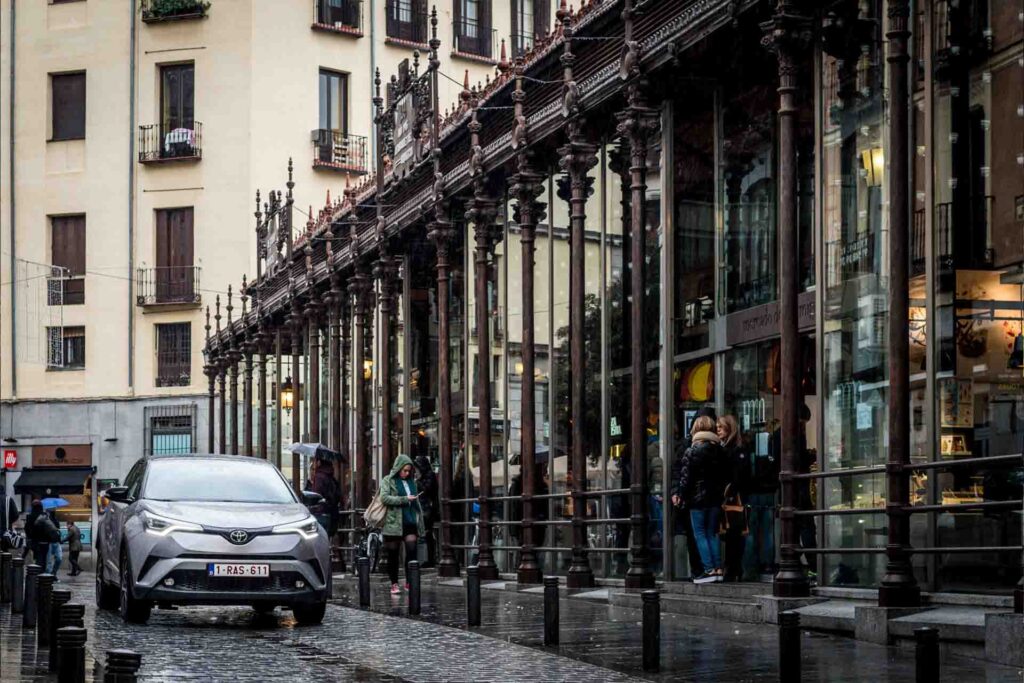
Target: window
x,y
177,97
170,430
174,355
67,106
473,27
531,20
65,348
175,273
67,252
333,97
407,20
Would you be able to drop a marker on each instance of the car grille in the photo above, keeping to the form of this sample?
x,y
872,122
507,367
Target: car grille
x,y
199,580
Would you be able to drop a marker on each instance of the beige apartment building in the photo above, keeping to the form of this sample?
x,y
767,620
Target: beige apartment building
x,y
135,136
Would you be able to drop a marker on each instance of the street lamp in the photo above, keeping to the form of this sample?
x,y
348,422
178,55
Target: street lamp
x,y
287,395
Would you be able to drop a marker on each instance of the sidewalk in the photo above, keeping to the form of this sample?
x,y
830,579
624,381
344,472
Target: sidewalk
x,y
693,648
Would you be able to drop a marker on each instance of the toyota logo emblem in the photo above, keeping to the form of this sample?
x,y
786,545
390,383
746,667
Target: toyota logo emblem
x,y
238,536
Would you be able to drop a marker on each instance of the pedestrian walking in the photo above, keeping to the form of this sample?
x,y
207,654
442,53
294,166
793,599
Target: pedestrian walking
x,y
323,481
47,534
403,523
429,504
734,512
703,477
681,523
74,548
33,542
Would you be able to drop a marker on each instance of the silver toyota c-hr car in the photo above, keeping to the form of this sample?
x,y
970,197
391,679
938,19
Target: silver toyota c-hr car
x,y
210,530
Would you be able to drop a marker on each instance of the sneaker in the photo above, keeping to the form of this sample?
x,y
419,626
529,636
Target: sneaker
x,y
395,590
706,577
719,576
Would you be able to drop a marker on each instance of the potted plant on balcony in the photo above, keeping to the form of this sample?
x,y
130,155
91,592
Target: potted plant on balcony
x,y
158,10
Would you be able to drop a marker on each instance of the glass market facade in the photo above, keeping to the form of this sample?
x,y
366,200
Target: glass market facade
x,y
711,301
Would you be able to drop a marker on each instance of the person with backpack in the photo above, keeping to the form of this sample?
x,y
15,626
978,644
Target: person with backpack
x,y
703,476
403,522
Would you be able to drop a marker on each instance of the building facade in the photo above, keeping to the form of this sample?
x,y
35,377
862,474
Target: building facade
x,y
135,135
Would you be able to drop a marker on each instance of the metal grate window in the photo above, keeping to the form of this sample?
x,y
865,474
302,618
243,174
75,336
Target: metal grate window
x,y
174,355
170,430
65,348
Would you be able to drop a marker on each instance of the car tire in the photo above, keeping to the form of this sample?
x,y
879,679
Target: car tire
x,y
133,610
106,595
310,614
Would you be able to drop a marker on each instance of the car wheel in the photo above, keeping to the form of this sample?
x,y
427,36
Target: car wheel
x,y
106,596
132,610
310,615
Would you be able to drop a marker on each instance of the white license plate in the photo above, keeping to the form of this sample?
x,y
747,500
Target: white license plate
x,y
239,570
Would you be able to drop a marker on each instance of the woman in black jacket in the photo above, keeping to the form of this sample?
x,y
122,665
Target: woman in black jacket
x,y
703,477
739,484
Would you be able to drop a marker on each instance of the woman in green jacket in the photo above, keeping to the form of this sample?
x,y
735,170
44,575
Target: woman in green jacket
x,y
404,520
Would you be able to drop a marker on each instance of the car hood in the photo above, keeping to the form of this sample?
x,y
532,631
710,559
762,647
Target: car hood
x,y
230,515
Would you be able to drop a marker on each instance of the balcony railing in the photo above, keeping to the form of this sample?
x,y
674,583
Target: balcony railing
x,y
406,21
335,150
474,39
160,142
170,285
172,10
339,16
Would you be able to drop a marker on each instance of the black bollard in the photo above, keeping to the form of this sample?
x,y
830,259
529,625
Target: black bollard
x,y
363,570
44,592
651,630
71,654
551,610
18,585
122,666
68,614
58,599
926,655
31,613
414,586
5,578
789,647
473,596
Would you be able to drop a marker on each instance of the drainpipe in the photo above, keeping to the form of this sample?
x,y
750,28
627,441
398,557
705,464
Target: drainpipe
x,y
373,70
131,199
14,279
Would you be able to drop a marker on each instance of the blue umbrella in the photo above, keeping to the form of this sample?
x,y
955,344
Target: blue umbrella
x,y
54,503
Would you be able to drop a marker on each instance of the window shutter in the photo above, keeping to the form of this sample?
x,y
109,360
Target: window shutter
x,y
541,17
68,106
515,25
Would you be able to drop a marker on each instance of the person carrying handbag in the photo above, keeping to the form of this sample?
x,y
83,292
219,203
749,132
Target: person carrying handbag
x,y
403,522
734,519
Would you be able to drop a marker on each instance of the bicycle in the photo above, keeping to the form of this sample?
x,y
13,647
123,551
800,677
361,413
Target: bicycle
x,y
370,546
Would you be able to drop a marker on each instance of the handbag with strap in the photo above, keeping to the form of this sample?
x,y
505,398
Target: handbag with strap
x,y
734,514
375,513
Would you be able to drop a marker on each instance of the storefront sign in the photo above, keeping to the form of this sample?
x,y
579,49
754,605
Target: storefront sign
x,y
63,455
762,322
10,459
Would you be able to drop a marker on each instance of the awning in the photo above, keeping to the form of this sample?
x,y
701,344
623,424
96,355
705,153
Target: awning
x,y
49,481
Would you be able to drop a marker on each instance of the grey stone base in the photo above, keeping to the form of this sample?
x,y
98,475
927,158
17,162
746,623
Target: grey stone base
x,y
872,623
772,606
1004,638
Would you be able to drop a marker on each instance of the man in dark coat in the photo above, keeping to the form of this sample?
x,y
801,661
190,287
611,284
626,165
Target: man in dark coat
x,y
38,546
74,548
429,503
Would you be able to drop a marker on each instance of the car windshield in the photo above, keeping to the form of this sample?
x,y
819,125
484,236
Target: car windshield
x,y
221,481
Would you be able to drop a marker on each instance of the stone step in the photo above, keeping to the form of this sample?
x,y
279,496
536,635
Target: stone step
x,y
834,616
953,623
710,607
734,590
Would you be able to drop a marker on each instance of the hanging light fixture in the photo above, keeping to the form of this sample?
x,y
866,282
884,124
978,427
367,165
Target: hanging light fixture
x,y
287,395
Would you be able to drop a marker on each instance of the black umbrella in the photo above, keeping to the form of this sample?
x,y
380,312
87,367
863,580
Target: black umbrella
x,y
317,451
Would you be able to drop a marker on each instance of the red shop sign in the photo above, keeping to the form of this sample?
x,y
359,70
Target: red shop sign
x,y
10,459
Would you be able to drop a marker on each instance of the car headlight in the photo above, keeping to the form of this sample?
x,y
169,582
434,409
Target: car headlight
x,y
162,526
307,528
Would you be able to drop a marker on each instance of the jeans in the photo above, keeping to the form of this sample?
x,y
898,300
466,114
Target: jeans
x,y
760,550
705,531
53,558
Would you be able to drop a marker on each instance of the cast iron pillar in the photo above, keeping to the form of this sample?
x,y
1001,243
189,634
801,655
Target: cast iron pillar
x,y
278,386
577,157
263,348
297,390
234,356
248,347
384,269
360,286
785,35
334,305
220,367
210,370
637,122
899,587
481,214
527,186
313,358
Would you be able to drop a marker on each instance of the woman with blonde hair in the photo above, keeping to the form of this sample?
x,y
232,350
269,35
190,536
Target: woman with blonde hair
x,y
735,536
703,476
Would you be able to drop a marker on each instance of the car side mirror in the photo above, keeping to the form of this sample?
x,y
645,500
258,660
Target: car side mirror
x,y
312,499
118,494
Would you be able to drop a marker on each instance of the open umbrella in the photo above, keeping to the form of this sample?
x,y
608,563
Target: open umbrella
x,y
317,451
54,503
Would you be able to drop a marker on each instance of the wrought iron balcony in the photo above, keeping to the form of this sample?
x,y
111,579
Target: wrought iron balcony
x,y
170,285
338,16
406,21
160,142
333,149
154,11
474,40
